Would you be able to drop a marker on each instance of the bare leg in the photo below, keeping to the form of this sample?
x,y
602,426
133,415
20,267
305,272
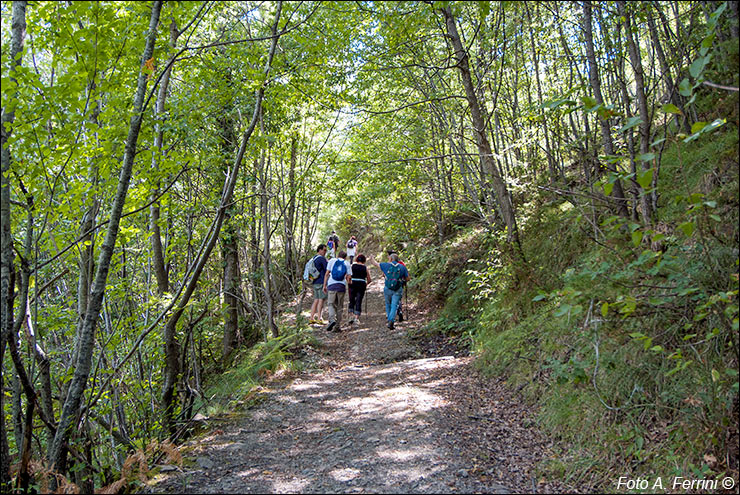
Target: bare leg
x,y
320,309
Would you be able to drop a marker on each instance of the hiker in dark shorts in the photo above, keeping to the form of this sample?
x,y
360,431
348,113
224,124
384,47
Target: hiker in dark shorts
x,y
319,295
360,281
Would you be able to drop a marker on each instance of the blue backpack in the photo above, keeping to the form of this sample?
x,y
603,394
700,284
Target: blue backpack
x,y
393,277
339,270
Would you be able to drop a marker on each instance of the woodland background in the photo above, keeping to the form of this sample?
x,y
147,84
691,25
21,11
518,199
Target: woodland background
x,y
561,177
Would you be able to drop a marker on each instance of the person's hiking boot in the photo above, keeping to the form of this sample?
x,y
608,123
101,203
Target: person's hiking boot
x,y
390,325
331,326
400,317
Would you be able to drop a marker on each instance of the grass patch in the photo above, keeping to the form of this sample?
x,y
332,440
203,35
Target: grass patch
x,y
236,388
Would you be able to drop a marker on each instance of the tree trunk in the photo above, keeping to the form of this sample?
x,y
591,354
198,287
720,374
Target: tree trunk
x,y
671,94
548,154
291,264
83,364
636,61
484,148
266,257
230,252
606,137
18,28
172,354
160,272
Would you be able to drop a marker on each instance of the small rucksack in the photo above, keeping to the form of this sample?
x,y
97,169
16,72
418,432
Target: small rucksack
x,y
393,277
339,270
330,244
310,272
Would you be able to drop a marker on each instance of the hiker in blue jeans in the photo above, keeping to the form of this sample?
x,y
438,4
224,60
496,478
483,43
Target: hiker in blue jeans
x,y
395,274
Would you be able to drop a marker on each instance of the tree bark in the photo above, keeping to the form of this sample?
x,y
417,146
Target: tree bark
x,y
606,136
484,147
171,353
230,252
160,271
636,61
266,257
18,34
670,86
83,364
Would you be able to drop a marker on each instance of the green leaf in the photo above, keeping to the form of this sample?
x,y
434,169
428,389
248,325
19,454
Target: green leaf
x,y
687,228
563,310
604,309
645,157
645,179
631,122
697,127
684,88
715,375
589,102
539,297
671,108
637,237
698,66
608,187
657,348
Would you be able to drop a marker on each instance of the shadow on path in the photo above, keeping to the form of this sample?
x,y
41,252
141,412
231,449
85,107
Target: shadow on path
x,y
356,426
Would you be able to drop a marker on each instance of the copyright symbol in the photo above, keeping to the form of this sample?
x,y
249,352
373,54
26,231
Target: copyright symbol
x,y
728,483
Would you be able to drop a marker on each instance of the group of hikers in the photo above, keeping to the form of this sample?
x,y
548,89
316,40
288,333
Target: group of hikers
x,y
331,275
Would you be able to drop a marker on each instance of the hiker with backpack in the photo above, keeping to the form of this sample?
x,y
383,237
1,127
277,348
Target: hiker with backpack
x,y
351,249
314,273
360,279
395,274
331,247
399,311
335,285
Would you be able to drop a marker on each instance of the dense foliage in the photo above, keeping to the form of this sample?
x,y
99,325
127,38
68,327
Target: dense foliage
x,y
572,166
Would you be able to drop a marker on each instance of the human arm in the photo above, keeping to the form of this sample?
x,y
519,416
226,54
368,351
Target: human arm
x,y
326,276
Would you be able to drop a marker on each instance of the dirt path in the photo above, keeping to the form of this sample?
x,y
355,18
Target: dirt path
x,y
372,416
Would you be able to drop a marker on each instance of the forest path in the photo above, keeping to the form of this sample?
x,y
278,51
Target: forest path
x,y
373,418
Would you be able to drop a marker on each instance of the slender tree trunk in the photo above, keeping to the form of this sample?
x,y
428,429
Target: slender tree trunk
x,y
158,265
230,252
266,256
484,148
606,137
548,153
672,95
291,265
171,358
18,28
635,58
72,402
